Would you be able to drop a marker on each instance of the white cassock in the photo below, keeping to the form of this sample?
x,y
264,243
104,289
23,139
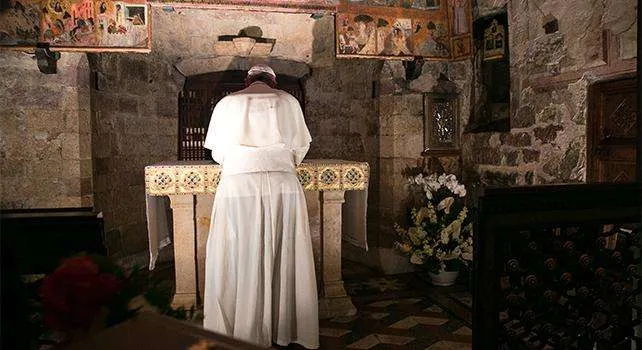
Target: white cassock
x,y
260,283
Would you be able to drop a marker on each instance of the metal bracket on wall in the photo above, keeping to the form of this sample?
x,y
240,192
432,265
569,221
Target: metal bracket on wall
x,y
413,68
47,59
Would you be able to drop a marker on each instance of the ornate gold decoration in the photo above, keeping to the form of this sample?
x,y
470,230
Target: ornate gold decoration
x,y
494,41
169,179
306,175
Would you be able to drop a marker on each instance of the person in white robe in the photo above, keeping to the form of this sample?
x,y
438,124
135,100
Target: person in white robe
x,y
260,283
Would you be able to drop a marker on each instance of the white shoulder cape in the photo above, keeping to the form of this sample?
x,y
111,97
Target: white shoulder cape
x,y
257,116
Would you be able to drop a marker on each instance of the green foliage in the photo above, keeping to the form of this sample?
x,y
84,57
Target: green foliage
x,y
438,233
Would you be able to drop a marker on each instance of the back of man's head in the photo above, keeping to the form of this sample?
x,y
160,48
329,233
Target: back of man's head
x,y
262,73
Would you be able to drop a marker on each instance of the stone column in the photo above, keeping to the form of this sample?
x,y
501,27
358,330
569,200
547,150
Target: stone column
x,y
333,300
312,200
204,203
184,247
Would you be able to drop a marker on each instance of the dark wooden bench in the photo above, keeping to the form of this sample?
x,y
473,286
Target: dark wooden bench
x,y
558,266
37,239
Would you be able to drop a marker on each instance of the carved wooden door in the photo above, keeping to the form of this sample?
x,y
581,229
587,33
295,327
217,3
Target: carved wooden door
x,y
198,98
612,131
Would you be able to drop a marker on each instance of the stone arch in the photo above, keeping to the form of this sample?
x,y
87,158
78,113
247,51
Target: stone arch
x,y
200,65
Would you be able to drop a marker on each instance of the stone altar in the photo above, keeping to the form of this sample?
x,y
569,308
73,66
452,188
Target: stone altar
x,y
191,187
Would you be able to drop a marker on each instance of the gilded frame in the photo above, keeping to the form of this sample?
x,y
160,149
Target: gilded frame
x,y
436,136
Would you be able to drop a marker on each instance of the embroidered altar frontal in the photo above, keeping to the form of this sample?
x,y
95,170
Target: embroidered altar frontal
x,y
195,177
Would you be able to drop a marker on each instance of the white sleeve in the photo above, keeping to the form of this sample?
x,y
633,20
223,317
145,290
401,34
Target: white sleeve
x,y
213,139
299,153
298,131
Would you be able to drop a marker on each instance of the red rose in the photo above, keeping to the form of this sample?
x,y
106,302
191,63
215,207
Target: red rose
x,y
74,294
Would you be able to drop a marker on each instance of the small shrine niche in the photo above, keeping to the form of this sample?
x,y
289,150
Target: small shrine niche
x,y
441,122
441,126
491,75
494,42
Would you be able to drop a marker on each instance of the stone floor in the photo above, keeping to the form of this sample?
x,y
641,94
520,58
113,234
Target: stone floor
x,y
399,312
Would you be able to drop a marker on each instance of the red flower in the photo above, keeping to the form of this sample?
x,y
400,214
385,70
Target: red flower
x,y
74,294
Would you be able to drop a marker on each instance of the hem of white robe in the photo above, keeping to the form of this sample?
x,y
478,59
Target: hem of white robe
x,y
305,345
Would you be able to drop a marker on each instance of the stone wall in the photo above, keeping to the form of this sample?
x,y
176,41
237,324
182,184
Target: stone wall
x,y
135,99
45,140
134,116
356,109
342,115
550,75
401,136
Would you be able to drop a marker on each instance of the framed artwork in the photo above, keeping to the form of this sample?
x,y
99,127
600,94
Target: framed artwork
x,y
403,29
494,41
415,4
264,5
77,25
441,122
491,84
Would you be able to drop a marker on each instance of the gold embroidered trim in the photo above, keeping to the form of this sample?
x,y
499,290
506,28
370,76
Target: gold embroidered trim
x,y
163,180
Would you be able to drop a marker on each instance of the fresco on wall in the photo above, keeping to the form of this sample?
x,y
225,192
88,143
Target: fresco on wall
x,y
267,5
403,29
416,4
88,25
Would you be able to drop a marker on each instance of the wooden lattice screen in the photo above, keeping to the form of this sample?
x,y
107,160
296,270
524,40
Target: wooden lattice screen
x,y
558,267
198,98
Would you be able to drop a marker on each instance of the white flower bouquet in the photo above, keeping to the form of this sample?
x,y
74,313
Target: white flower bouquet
x,y
440,235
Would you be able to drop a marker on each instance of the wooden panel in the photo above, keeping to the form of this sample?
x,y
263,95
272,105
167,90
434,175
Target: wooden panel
x,y
616,171
612,131
619,115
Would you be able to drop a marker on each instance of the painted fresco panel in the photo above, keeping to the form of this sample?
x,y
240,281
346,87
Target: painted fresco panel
x,y
99,25
404,29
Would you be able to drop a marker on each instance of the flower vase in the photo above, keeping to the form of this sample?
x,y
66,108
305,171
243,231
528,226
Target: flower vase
x,y
443,278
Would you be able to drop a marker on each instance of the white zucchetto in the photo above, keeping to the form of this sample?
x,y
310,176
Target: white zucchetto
x,y
261,68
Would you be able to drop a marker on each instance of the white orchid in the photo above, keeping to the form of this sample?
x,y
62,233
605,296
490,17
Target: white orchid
x,y
451,179
428,194
445,204
435,236
419,180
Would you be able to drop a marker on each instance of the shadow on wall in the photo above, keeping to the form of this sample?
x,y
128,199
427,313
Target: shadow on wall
x,y
342,112
339,100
